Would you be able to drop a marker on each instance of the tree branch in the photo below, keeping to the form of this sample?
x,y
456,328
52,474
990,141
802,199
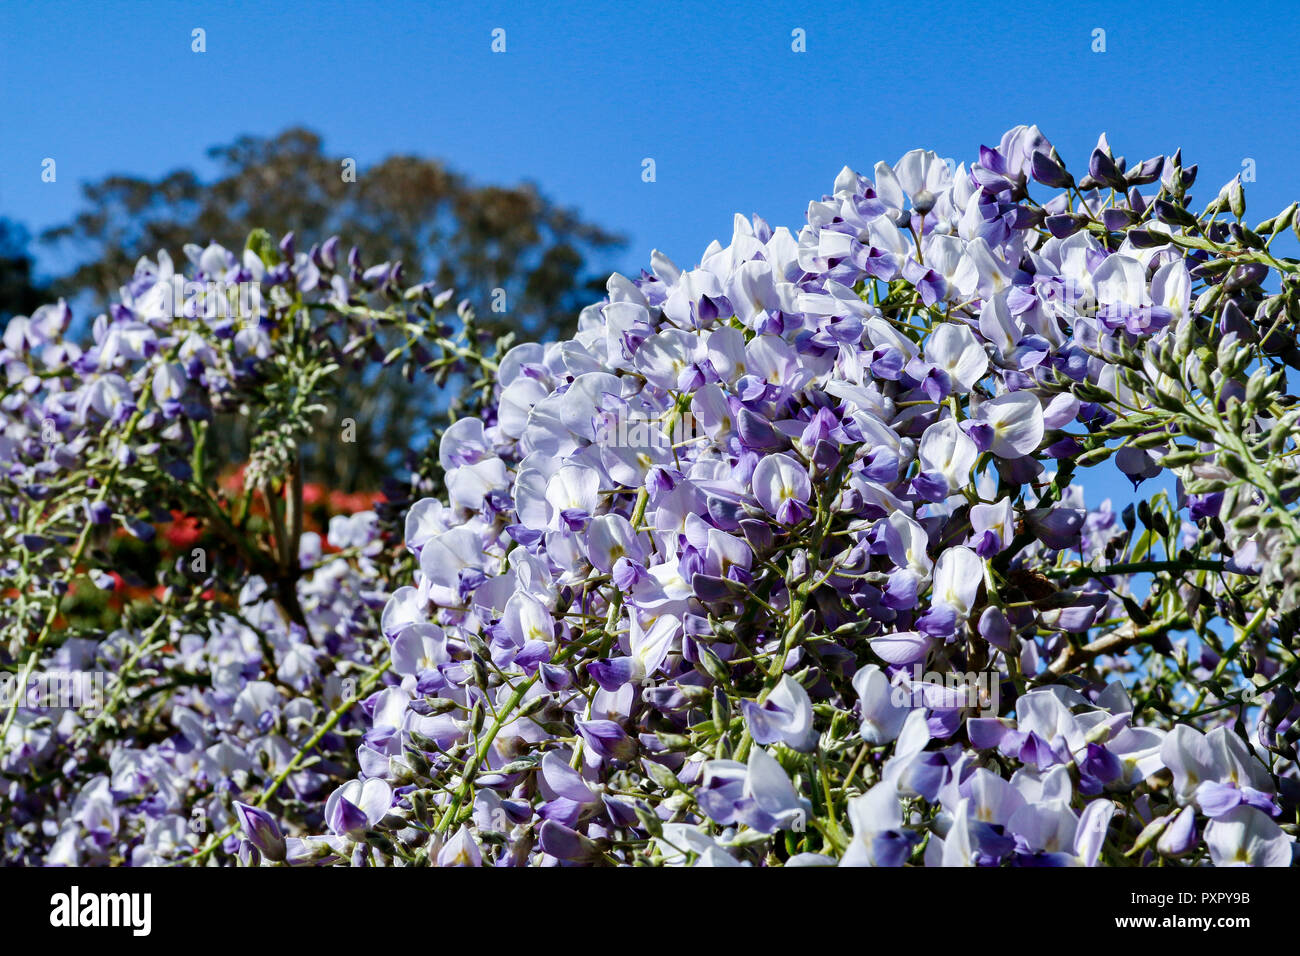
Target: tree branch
x,y
1113,642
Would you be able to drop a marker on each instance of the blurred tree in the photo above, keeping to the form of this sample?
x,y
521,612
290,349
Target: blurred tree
x,y
472,238
19,291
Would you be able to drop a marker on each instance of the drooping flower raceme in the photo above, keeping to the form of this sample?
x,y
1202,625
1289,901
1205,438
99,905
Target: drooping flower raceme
x,y
229,674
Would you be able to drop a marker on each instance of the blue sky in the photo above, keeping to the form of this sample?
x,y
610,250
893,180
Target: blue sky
x,y
734,119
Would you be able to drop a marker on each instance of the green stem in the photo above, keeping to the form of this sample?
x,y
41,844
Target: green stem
x,y
330,723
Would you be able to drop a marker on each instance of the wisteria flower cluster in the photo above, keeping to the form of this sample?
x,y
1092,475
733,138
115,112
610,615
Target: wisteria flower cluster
x,y
780,560
238,680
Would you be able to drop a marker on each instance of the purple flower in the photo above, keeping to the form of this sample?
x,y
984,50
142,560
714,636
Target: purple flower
x,y
262,831
786,717
782,487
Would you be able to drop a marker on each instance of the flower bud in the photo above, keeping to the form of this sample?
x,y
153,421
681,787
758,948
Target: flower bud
x,y
262,831
1179,836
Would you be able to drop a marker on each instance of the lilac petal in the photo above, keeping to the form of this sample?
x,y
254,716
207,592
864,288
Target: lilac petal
x,y
612,674
765,726
905,647
994,628
985,733
561,810
348,819
564,780
564,843
1216,799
